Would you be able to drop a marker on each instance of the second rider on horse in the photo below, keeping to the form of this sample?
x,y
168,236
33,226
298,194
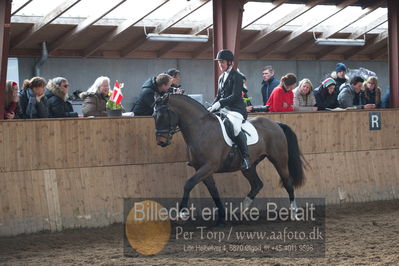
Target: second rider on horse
x,y
229,99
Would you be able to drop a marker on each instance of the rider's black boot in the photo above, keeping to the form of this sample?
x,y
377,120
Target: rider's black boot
x,y
242,146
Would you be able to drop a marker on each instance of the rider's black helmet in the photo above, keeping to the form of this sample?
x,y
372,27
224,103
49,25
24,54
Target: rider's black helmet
x,y
225,55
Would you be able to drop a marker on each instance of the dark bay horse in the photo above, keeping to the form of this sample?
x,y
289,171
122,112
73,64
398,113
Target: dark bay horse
x,y
208,150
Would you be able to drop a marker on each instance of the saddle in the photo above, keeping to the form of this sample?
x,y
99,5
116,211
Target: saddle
x,y
228,131
228,134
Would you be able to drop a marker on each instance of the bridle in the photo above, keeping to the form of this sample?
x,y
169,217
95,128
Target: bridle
x,y
170,130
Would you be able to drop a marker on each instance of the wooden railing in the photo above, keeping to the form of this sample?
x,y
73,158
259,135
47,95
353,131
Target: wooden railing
x,y
69,173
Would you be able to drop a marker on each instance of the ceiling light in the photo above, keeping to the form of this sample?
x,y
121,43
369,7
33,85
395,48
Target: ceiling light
x,y
176,37
341,42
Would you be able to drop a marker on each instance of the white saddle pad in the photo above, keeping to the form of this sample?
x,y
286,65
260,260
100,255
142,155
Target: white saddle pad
x,y
252,138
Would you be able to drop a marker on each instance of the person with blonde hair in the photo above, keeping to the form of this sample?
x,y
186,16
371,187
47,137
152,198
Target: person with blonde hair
x,y
304,100
11,105
57,97
371,92
96,97
32,98
282,98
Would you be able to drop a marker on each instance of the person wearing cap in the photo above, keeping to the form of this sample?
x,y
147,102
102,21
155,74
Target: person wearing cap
x,y
326,95
229,99
339,75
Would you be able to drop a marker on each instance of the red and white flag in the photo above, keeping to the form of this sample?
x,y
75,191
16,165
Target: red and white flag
x,y
117,93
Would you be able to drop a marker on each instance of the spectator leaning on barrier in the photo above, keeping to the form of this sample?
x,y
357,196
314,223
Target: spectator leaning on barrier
x,y
339,75
95,98
326,95
350,95
371,92
32,98
269,83
57,95
176,77
304,100
12,109
154,86
282,98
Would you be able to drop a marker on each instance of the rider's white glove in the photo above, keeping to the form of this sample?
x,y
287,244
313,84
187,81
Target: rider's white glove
x,y
214,107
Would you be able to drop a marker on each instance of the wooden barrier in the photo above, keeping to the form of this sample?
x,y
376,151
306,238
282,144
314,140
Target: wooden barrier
x,y
70,173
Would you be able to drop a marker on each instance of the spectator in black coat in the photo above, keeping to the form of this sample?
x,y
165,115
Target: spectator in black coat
x,y
57,95
326,95
268,83
32,98
152,87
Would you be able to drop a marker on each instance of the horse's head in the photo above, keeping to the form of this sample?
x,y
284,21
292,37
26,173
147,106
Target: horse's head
x,y
166,121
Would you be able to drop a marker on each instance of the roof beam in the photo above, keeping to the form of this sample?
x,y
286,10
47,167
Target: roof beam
x,y
167,48
351,20
203,47
22,6
280,23
268,49
383,52
356,34
382,37
132,47
84,25
190,8
47,19
120,29
187,10
275,5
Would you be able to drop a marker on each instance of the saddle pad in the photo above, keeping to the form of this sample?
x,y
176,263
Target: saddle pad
x,y
247,126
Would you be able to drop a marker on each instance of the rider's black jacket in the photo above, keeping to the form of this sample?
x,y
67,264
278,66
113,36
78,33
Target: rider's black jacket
x,y
144,104
230,94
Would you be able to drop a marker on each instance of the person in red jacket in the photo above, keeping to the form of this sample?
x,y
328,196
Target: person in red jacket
x,y
282,98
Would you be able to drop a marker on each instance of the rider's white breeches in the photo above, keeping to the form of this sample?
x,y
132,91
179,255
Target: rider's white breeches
x,y
236,119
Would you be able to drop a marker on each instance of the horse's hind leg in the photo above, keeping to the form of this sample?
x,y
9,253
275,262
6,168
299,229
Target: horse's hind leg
x,y
210,184
256,185
282,169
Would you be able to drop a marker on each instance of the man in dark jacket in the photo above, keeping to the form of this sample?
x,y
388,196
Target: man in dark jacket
x,y
57,94
229,98
154,86
268,83
350,95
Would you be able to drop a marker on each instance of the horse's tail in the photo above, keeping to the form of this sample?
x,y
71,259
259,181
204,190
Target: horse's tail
x,y
295,157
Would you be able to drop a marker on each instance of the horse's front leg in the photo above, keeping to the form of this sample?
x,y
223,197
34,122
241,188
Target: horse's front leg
x,y
201,174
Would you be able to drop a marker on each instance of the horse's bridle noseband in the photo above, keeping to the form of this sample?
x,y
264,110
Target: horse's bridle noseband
x,y
170,130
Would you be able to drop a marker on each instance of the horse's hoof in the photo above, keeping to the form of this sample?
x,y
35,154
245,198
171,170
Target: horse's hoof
x,y
246,203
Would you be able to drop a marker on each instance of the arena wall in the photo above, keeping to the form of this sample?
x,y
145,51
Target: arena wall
x,y
70,173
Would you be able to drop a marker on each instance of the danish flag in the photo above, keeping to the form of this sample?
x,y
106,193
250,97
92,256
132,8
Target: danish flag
x,y
117,93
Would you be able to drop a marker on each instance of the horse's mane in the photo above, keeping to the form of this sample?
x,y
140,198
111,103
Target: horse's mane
x,y
190,100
